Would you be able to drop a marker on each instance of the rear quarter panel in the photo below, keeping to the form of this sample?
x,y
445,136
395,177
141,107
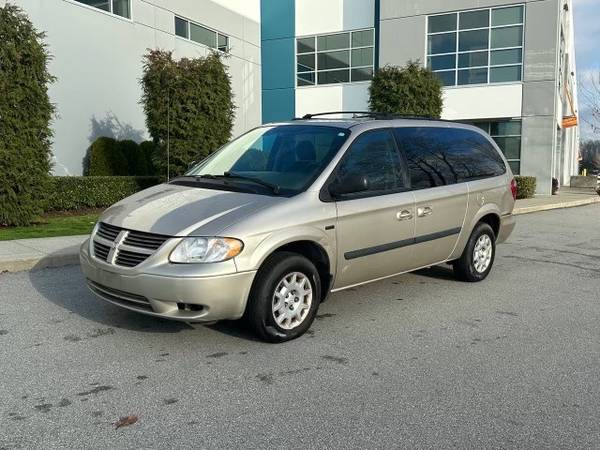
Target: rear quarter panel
x,y
488,196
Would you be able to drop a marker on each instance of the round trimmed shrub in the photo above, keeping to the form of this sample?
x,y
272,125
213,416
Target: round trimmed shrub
x,y
25,115
525,187
106,158
411,91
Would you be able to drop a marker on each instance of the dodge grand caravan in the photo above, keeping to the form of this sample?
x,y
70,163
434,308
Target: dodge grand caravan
x,y
272,222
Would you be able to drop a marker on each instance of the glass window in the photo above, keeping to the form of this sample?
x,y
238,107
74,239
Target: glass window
x,y
289,156
443,62
442,43
439,24
333,76
505,74
203,35
441,156
223,43
477,59
374,156
336,58
475,19
182,27
362,57
501,57
507,134
306,79
472,76
122,8
306,63
362,38
473,40
507,37
512,128
447,78
477,47
100,4
306,45
197,33
333,42
364,74
118,7
507,16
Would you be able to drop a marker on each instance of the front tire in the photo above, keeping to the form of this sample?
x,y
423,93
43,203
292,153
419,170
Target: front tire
x,y
478,257
285,297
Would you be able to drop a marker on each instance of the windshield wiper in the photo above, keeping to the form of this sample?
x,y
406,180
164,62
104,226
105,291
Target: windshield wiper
x,y
273,187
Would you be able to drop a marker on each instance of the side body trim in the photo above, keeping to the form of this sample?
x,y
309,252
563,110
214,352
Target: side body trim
x,y
399,244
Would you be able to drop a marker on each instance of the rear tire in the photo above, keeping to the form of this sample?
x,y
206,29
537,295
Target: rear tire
x,y
478,257
284,298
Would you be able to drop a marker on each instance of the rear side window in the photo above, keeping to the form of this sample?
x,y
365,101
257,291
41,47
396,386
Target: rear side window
x,y
441,156
375,156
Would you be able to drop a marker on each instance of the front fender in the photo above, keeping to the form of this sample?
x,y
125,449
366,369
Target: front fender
x,y
259,248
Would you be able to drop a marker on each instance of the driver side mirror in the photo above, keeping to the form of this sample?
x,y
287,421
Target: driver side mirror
x,y
350,184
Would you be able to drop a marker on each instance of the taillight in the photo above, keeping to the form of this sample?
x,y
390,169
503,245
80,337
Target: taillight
x,y
513,188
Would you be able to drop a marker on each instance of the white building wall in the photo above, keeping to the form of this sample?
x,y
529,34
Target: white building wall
x,y
97,58
314,17
483,102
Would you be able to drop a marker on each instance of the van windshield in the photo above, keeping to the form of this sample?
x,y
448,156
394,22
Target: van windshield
x,y
280,160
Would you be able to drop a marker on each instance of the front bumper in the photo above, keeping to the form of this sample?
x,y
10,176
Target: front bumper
x,y
507,225
189,298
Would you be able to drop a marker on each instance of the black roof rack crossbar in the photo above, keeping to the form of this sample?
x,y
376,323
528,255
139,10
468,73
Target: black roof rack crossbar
x,y
366,114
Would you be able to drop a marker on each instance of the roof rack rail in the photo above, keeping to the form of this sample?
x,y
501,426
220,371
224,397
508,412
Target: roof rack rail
x,y
366,114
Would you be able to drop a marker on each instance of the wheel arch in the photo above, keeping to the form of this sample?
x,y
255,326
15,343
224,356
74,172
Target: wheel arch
x,y
489,214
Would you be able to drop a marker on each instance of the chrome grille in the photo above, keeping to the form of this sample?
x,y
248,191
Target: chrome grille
x,y
123,247
129,259
144,240
108,232
101,251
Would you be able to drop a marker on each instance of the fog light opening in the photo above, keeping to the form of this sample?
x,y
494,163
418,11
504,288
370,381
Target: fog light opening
x,y
189,307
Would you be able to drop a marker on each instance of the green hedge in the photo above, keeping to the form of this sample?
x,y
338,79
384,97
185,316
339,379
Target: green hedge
x,y
25,114
189,107
525,186
72,193
110,157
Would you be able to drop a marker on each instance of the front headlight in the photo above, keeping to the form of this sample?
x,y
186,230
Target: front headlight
x,y
205,250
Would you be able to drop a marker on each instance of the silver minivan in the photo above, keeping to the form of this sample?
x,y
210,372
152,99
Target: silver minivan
x,y
266,227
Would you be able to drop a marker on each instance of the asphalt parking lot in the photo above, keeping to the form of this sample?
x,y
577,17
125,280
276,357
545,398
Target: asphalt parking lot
x,y
419,360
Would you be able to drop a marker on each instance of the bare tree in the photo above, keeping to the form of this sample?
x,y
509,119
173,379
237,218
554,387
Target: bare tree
x,y
589,94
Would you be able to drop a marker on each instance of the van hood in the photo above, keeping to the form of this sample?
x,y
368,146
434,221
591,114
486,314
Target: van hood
x,y
184,211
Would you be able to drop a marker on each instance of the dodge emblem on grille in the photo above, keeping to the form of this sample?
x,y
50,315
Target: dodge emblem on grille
x,y
114,246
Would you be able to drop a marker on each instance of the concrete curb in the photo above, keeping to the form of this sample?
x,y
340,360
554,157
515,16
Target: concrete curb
x,y
20,265
561,205
42,253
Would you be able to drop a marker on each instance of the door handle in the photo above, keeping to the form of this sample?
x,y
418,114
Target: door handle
x,y
404,215
424,211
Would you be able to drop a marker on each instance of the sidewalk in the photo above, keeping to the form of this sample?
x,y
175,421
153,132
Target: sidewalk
x,y
27,254
567,198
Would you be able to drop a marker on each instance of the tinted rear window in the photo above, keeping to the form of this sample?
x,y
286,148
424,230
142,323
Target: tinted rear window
x,y
441,156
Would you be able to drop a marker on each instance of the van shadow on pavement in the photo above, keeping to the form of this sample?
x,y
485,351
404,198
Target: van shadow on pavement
x,y
65,287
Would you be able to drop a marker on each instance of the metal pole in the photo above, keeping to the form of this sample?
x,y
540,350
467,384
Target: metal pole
x,y
168,132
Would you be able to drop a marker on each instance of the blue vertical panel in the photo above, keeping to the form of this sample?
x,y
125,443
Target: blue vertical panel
x,y
278,31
